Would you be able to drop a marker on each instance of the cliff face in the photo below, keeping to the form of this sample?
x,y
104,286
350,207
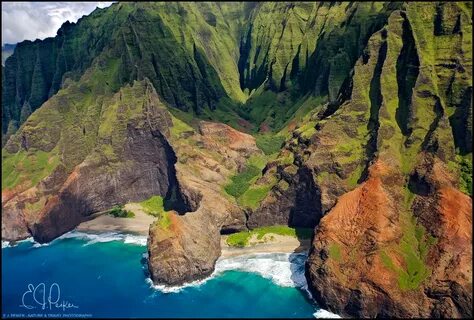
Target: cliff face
x,y
358,121
173,58
199,54
130,150
376,252
186,248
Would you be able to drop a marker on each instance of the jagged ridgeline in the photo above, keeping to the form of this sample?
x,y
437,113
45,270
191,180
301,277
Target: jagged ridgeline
x,y
220,61
250,65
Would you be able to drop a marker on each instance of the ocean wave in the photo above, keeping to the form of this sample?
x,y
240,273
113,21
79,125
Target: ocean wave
x,y
324,314
176,289
11,244
92,238
38,245
133,239
283,269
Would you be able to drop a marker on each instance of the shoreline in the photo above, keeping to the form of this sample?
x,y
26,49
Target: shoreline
x,y
280,244
103,224
139,225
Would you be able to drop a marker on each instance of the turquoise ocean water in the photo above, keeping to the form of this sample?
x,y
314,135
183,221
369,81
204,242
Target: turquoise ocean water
x,y
81,275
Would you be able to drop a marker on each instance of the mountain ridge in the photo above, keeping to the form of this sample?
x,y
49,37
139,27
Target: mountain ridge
x,y
356,110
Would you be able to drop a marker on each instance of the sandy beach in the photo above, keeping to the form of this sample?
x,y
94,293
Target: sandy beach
x,y
106,223
140,224
277,243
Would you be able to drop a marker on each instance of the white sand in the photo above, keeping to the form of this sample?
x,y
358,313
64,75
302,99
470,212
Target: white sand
x,y
270,243
106,223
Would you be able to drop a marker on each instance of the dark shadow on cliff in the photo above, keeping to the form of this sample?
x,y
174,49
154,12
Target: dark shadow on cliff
x,y
173,199
306,211
297,268
144,264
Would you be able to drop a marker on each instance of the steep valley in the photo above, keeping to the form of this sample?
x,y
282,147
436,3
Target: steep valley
x,y
353,119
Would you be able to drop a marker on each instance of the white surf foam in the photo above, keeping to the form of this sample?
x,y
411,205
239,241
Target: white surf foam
x,y
176,289
324,314
102,237
11,244
91,238
133,239
38,245
284,269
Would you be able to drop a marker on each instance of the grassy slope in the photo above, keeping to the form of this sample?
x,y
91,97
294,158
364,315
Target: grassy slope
x,y
247,187
413,248
242,238
155,206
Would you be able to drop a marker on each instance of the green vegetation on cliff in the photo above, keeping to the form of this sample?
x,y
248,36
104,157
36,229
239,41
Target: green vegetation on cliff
x,y
120,212
269,143
155,206
465,164
244,179
241,239
413,248
248,187
24,167
203,58
241,181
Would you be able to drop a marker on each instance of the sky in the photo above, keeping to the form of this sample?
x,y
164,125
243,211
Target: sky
x,y
39,20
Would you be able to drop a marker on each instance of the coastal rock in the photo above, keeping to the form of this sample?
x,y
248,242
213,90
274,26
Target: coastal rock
x,y
362,263
182,252
187,248
14,226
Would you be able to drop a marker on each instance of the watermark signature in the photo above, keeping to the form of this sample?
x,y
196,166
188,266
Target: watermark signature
x,y
37,297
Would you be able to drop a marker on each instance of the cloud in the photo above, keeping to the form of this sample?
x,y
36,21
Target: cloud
x,y
39,20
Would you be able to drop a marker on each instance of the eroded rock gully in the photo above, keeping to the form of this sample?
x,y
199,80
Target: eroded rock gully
x,y
358,263
187,248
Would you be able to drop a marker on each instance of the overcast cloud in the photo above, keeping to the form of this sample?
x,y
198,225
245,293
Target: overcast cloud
x,y
39,20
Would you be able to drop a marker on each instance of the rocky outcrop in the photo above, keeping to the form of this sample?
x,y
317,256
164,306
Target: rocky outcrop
x,y
371,258
185,251
14,226
187,248
146,169
384,249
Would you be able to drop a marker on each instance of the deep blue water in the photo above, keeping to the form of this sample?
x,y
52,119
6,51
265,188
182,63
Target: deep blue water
x,y
109,279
